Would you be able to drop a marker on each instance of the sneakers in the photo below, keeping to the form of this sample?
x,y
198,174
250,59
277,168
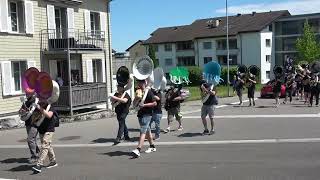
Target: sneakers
x,y
205,132
37,168
52,164
150,150
136,153
167,130
180,128
117,141
212,132
127,138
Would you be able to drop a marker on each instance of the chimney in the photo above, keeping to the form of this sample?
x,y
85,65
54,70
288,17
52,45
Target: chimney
x,y
217,22
254,13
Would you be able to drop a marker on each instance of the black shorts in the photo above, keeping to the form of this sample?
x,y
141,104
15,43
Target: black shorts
x,y
251,92
306,88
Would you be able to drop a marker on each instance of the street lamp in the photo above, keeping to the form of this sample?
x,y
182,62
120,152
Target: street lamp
x,y
228,52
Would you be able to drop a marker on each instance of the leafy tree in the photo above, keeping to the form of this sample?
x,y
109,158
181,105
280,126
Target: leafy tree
x,y
307,45
152,55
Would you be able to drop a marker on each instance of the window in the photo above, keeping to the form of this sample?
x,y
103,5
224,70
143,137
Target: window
x,y
207,59
168,47
268,43
168,62
188,45
268,58
222,44
18,67
94,22
61,22
268,75
207,45
16,16
186,61
97,70
232,60
270,27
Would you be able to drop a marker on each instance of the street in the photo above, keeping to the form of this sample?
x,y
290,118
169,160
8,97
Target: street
x,y
250,143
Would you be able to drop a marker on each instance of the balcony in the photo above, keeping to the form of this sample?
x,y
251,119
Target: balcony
x,y
84,95
74,40
225,52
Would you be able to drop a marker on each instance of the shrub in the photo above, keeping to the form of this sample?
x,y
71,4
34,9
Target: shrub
x,y
195,75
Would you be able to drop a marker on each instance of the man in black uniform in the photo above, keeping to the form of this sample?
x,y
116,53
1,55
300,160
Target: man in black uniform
x,y
207,109
314,89
277,90
289,88
123,101
239,87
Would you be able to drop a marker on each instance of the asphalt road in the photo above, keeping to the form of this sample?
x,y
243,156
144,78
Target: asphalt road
x,y
250,143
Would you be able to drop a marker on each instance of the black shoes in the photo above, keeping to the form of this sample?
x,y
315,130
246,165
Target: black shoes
x,y
37,168
52,164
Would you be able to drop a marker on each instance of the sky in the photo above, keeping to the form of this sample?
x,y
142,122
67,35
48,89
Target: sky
x,y
133,20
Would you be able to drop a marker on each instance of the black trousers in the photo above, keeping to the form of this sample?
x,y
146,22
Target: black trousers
x,y
314,92
122,125
288,94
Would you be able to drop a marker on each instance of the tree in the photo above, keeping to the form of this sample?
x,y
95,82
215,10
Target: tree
x,y
152,55
307,46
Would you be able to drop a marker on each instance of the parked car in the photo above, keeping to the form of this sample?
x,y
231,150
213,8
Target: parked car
x,y
267,90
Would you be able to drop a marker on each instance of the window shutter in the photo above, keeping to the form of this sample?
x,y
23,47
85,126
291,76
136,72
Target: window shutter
x,y
6,78
70,14
53,68
103,22
51,21
87,23
103,70
31,64
89,71
4,16
29,18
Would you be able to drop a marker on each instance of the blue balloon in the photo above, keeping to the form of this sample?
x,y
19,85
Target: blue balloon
x,y
212,73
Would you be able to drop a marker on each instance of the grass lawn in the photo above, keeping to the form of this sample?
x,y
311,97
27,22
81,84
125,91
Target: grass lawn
x,y
222,91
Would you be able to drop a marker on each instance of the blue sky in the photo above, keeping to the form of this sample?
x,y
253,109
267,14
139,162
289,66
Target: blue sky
x,y
132,20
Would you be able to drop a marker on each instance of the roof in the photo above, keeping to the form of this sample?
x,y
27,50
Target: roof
x,y
135,44
199,29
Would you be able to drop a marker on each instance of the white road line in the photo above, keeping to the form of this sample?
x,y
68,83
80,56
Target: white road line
x,y
259,141
7,179
258,116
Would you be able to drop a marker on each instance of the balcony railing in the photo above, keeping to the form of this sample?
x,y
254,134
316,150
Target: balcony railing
x,y
63,39
82,95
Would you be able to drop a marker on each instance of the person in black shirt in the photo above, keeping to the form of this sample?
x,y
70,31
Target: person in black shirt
x,y
173,98
306,87
314,89
251,88
32,131
239,87
289,88
277,90
46,131
207,108
157,113
122,110
144,117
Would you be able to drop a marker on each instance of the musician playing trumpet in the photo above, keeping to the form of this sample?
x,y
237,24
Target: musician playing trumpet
x,y
123,102
240,86
251,85
289,88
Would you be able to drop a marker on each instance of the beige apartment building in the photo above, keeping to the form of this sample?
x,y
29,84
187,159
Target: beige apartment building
x,y
69,39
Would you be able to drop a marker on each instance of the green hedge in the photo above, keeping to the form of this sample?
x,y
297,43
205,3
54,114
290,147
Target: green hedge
x,y
195,75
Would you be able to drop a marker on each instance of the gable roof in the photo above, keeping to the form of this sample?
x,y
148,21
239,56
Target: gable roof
x,y
254,22
139,41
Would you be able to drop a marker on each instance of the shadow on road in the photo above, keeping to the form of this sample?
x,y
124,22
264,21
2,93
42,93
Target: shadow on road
x,y
14,160
261,107
190,135
118,153
103,140
69,138
21,168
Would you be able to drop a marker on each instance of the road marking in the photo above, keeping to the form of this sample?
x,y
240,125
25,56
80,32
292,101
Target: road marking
x,y
258,116
7,179
259,141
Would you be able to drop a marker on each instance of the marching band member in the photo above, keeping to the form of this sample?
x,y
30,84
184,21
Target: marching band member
x,y
208,108
32,131
144,117
173,98
314,89
46,131
251,88
289,88
122,111
277,90
157,113
306,87
239,87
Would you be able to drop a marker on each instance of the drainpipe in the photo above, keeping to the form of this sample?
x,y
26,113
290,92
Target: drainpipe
x,y
198,54
110,50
